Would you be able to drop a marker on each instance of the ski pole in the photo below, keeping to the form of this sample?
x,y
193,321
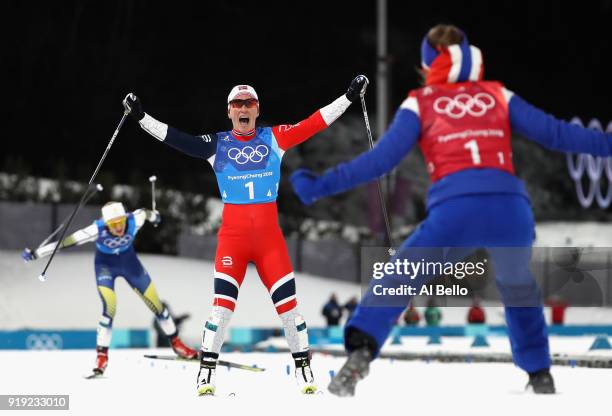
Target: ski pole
x,y
152,179
42,277
97,188
380,191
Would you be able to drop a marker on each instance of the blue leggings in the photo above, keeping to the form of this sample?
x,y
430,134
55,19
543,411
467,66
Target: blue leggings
x,y
490,220
110,266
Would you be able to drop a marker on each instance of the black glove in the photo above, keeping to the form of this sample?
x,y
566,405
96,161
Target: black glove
x,y
357,88
133,106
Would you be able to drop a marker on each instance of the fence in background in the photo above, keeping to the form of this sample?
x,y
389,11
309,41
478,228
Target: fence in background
x,y
26,224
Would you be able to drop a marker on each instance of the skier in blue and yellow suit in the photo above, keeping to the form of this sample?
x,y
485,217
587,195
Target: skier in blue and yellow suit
x,y
114,236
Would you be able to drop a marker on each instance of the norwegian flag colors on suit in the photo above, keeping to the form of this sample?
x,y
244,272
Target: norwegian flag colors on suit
x,y
463,125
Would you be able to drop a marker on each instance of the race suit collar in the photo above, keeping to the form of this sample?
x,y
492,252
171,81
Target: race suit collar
x,y
243,137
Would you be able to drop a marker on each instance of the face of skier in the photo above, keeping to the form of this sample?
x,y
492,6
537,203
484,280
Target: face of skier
x,y
116,226
243,111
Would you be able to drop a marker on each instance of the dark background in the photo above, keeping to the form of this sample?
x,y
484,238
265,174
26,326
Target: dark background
x,y
69,64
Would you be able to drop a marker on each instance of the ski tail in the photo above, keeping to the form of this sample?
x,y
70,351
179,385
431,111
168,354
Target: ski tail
x,y
223,363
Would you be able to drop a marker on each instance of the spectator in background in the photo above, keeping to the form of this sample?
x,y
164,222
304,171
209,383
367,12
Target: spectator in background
x,y
476,314
162,340
411,316
332,311
350,307
557,309
433,314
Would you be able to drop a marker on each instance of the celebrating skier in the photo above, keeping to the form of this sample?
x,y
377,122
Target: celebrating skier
x,y
246,161
462,125
114,235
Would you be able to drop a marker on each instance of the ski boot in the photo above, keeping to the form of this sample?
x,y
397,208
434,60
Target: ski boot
x,y
207,374
541,382
181,349
303,373
356,368
361,349
101,361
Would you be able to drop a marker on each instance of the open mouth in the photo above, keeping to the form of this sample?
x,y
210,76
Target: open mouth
x,y
244,121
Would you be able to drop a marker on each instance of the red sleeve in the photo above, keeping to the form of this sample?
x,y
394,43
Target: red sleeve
x,y
289,135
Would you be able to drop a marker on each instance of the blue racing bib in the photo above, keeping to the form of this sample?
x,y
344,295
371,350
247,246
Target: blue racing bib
x,y
108,243
248,172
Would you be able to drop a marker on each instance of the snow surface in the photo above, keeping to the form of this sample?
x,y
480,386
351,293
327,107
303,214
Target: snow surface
x,y
135,385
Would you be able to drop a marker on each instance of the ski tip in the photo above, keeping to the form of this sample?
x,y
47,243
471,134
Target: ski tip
x,y
42,277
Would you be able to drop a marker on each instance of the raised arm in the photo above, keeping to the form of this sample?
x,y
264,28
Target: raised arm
x,y
203,146
141,215
290,135
82,236
554,134
397,141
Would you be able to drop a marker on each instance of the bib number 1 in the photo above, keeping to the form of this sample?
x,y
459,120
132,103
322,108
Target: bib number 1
x,y
472,146
251,189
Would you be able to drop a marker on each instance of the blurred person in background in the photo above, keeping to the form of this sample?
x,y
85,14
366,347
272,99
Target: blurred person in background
x,y
433,314
246,161
412,316
463,126
115,257
350,307
476,314
557,309
332,311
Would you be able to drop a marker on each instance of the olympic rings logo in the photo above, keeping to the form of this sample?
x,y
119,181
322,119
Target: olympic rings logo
x,y
594,167
462,104
118,241
44,342
248,154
